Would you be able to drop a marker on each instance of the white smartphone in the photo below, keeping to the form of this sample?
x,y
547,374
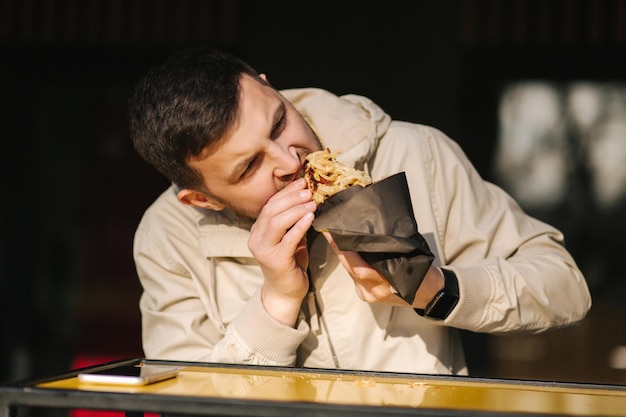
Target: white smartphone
x,y
129,375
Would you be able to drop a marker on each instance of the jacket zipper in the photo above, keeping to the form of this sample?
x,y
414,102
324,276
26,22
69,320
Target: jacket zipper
x,y
318,325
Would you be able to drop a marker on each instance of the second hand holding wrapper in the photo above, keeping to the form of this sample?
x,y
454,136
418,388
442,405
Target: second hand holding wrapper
x,y
377,221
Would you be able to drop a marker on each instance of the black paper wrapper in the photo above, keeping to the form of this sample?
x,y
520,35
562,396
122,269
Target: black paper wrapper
x,y
378,222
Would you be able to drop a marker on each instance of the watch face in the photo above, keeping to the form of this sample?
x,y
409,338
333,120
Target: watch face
x,y
444,302
442,305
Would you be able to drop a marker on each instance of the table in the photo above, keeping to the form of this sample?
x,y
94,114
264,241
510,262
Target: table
x,y
212,389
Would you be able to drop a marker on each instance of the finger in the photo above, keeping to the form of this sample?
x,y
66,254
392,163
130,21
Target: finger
x,y
301,253
282,231
297,232
331,242
340,254
299,184
355,260
280,208
285,201
371,286
297,218
350,260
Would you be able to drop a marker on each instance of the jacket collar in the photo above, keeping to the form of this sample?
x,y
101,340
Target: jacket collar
x,y
350,124
222,234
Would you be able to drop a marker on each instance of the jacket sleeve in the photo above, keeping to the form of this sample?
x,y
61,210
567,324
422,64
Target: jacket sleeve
x,y
180,322
514,271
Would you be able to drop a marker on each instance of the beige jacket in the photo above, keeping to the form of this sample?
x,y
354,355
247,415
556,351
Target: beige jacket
x,y
201,284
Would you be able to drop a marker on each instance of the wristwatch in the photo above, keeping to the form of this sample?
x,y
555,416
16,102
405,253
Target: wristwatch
x,y
446,299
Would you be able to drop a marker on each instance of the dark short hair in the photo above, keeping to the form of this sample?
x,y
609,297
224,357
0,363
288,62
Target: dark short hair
x,y
182,106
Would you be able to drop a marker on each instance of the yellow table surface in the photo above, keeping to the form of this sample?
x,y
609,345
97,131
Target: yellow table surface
x,y
377,390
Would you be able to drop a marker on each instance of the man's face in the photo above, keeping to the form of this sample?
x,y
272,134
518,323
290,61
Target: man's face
x,y
261,153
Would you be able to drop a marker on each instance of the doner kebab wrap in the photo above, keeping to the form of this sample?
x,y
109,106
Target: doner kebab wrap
x,y
374,219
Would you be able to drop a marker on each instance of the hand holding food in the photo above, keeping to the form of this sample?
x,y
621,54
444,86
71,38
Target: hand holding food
x,y
375,220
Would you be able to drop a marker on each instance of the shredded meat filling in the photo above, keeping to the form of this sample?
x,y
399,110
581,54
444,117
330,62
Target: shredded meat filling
x,y
326,176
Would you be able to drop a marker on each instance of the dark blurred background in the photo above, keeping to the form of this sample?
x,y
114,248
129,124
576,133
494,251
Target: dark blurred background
x,y
533,90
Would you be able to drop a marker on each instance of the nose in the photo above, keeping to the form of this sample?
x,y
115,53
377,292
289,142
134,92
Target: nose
x,y
287,163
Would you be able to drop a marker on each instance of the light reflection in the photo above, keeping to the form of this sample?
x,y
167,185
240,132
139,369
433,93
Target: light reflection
x,y
531,157
549,130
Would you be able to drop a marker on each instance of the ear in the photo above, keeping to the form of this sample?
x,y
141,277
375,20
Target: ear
x,y
198,199
263,77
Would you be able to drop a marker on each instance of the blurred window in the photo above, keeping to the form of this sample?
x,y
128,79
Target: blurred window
x,y
548,131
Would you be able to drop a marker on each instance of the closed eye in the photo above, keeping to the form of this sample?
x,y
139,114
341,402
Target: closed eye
x,y
280,123
252,165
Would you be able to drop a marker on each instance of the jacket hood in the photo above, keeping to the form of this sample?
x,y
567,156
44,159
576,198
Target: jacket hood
x,y
350,124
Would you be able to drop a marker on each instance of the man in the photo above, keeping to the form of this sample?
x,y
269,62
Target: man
x,y
233,275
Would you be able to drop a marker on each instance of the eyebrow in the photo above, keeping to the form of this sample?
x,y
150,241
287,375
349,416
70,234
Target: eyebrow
x,y
279,113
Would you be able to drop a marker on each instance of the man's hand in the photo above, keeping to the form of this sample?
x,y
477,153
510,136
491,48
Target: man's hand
x,y
278,242
372,287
